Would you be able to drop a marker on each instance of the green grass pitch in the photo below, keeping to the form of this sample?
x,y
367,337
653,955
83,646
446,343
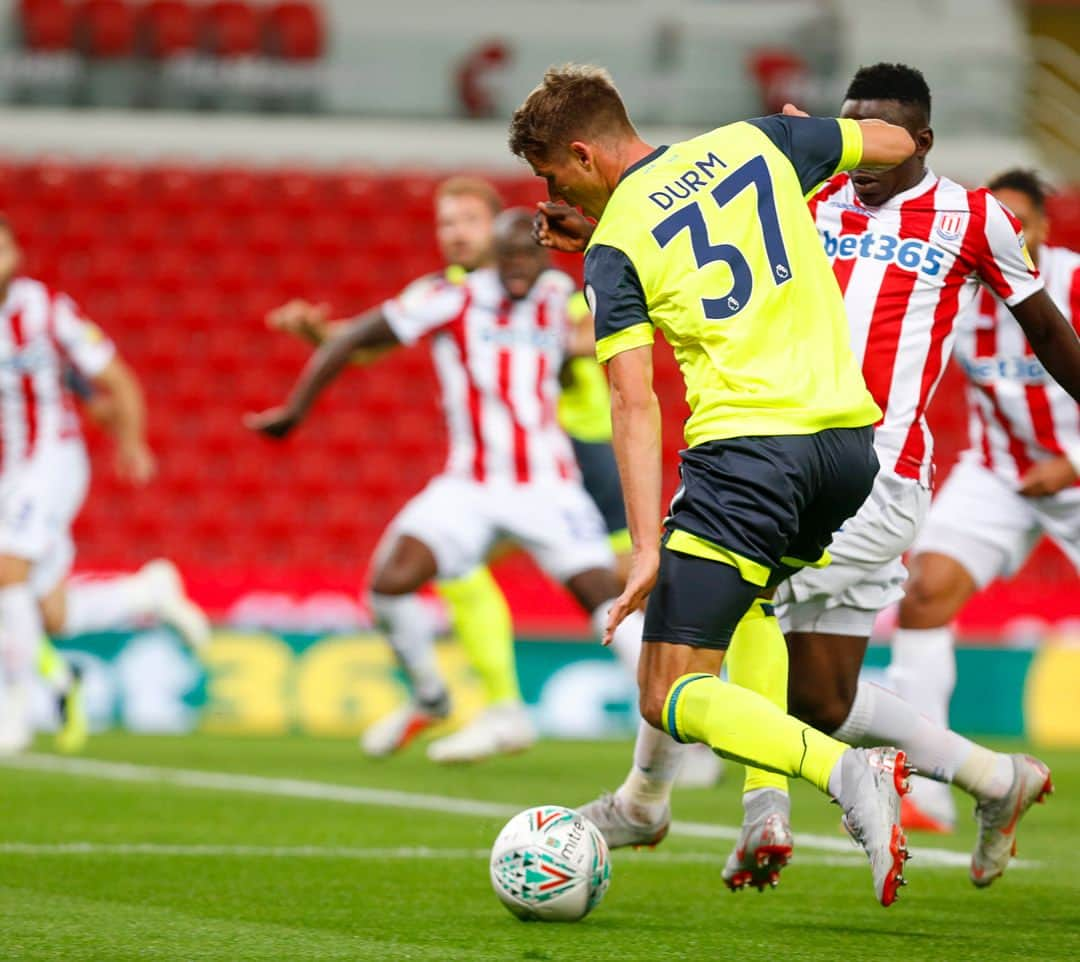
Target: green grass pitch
x,y
159,865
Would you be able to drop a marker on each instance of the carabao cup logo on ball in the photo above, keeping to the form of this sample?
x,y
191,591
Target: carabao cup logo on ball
x,y
550,864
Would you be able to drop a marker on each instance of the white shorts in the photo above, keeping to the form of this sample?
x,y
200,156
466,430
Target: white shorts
x,y
982,522
867,573
460,520
38,503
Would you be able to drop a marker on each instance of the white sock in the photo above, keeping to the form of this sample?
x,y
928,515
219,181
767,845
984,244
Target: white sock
x,y
107,604
627,640
882,717
410,629
20,633
923,670
646,792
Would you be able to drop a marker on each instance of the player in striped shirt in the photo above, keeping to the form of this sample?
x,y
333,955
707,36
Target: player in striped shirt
x,y
498,339
1018,480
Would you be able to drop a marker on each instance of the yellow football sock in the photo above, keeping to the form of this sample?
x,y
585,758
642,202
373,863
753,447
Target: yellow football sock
x,y
481,619
745,726
758,660
51,664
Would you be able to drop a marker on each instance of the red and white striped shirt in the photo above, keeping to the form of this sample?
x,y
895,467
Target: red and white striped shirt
x,y
1019,414
498,364
907,269
41,333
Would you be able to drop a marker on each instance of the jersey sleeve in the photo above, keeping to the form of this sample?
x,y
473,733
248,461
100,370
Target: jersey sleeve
x,y
1003,262
817,147
615,297
424,307
84,343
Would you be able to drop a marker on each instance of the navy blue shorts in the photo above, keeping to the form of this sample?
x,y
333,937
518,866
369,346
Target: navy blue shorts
x,y
759,506
600,475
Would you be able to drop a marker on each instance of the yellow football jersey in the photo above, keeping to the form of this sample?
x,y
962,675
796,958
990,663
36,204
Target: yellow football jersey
x,y
710,241
585,403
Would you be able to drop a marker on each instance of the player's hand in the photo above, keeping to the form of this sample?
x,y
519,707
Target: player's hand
x,y
561,227
1048,477
135,463
301,319
790,110
274,422
644,568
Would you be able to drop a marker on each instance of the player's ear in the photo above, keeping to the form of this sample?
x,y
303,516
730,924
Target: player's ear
x,y
924,140
583,153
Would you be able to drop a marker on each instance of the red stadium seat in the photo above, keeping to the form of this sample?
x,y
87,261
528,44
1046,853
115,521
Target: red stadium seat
x,y
296,192
111,187
105,29
230,28
235,190
167,28
47,26
293,30
51,184
269,232
176,189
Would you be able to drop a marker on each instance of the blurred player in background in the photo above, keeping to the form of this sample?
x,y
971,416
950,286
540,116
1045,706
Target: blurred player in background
x,y
1017,481
498,339
44,479
465,211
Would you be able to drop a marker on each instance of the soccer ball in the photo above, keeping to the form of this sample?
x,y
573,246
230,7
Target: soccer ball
x,y
550,864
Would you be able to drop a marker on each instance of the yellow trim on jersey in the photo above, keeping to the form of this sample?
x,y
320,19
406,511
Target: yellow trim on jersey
x,y
749,570
620,541
640,335
823,562
852,139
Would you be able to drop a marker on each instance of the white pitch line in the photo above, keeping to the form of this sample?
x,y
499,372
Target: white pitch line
x,y
357,795
419,853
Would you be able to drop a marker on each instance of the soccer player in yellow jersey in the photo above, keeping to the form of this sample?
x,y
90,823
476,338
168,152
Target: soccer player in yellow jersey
x,y
710,241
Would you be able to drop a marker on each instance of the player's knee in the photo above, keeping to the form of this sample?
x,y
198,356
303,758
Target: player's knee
x,y
824,710
651,705
926,603
391,580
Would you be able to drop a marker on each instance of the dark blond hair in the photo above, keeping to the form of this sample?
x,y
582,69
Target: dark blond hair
x,y
573,102
477,187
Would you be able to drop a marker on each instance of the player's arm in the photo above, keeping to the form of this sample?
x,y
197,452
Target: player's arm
x,y
371,332
580,339
126,421
311,323
624,338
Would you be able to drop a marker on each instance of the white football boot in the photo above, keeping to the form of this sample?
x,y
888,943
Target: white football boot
x,y
498,730
393,732
765,843
16,730
998,818
619,831
172,605
872,780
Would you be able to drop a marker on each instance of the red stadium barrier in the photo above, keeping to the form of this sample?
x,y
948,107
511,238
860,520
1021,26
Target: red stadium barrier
x,y
179,265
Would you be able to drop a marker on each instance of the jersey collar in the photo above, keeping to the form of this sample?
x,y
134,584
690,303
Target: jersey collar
x,y
647,159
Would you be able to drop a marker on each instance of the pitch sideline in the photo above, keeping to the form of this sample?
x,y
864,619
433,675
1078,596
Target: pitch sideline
x,y
358,795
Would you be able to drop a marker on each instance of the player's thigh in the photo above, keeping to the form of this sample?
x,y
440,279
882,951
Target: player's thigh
x,y
451,518
865,573
981,522
559,525
696,601
53,604
1059,517
600,476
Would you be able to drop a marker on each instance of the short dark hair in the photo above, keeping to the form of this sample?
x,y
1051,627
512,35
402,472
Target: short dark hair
x,y
1023,181
572,102
465,186
890,81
